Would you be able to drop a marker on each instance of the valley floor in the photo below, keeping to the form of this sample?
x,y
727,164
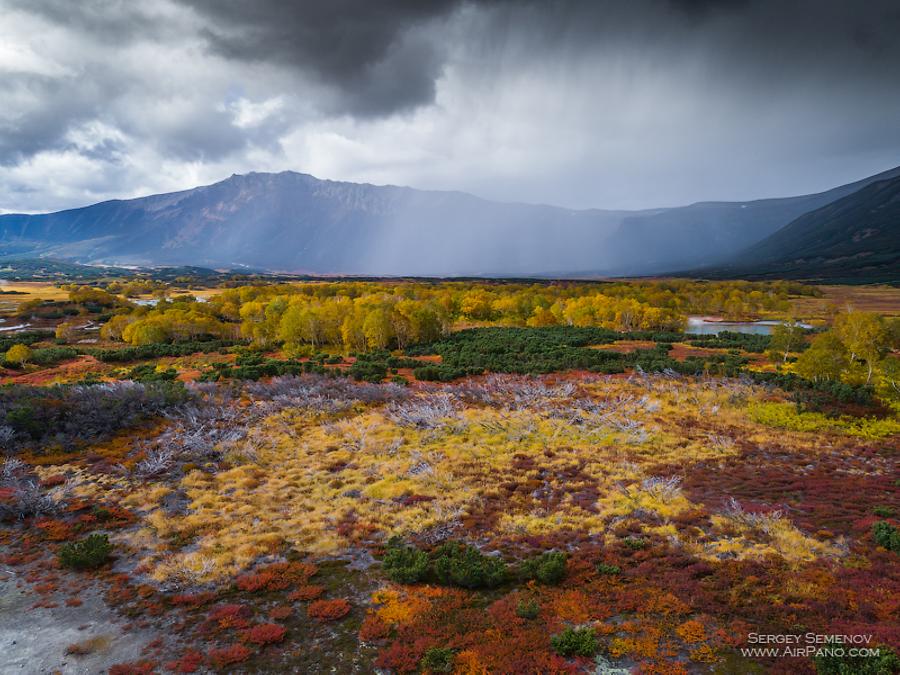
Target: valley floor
x,y
250,529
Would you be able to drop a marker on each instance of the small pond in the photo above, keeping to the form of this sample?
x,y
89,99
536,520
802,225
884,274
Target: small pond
x,y
698,325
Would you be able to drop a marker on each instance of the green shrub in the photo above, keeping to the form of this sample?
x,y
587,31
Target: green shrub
x,y
438,660
157,350
368,371
147,372
635,543
883,511
404,564
528,609
605,568
49,355
548,568
886,663
25,338
460,565
88,553
575,642
887,536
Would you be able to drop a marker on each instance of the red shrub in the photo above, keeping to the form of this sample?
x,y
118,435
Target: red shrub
x,y
328,610
53,481
190,662
373,628
281,612
230,616
255,581
225,656
275,577
309,592
265,634
192,599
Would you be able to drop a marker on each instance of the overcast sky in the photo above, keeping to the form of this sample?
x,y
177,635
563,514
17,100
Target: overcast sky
x,y
629,104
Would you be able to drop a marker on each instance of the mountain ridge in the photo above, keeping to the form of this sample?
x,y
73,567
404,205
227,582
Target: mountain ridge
x,y
295,222
856,237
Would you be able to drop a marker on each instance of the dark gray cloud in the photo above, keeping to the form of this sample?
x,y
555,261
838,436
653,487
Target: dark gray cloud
x,y
385,57
364,50
580,102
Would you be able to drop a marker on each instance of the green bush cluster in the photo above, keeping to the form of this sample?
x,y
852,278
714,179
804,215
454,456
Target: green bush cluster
x,y
886,536
147,372
28,338
731,340
545,350
575,642
515,350
548,568
635,543
405,564
88,553
456,564
607,569
451,564
886,663
364,370
376,365
158,350
845,393
528,609
438,660
47,356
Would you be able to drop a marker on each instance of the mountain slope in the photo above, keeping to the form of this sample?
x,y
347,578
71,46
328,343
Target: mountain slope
x,y
711,232
295,222
855,238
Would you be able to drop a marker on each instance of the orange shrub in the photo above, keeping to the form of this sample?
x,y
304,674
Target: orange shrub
x,y
691,631
55,530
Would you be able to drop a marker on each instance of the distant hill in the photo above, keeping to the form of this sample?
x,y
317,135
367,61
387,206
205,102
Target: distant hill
x,y
712,232
856,238
296,223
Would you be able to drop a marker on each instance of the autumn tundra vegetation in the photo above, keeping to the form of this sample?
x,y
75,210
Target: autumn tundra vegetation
x,y
451,476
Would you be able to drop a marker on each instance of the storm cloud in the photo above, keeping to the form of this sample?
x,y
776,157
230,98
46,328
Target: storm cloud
x,y
575,102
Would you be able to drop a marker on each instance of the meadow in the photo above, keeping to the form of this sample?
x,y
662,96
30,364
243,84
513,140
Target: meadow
x,y
467,477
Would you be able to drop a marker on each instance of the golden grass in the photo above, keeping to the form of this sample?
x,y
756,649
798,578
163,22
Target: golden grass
x,y
309,473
